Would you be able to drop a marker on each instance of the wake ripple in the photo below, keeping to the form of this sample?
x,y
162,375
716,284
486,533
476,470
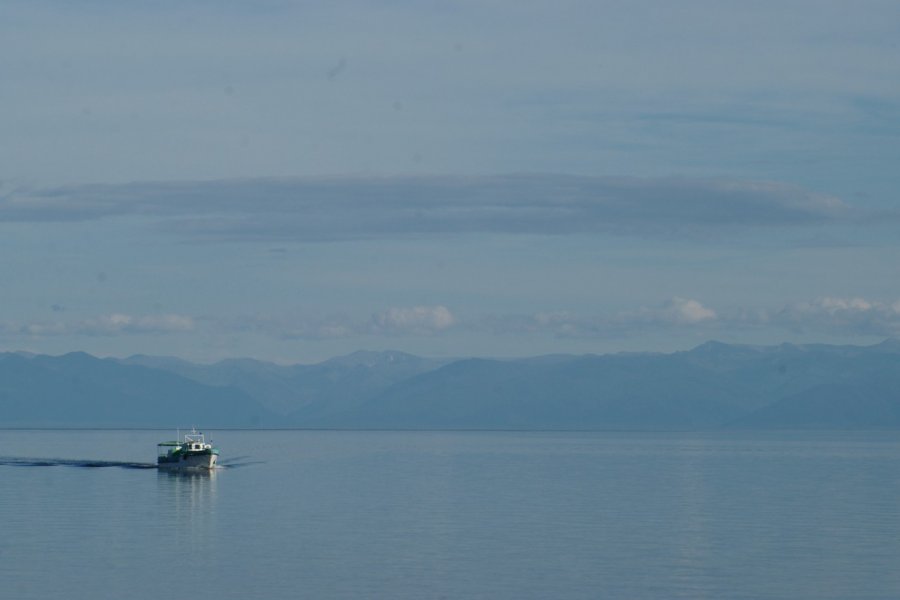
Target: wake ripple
x,y
12,461
237,462
17,461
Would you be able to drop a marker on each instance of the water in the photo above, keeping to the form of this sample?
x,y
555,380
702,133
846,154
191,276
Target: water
x,y
305,514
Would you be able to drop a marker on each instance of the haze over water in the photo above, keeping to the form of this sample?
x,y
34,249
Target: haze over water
x,y
455,515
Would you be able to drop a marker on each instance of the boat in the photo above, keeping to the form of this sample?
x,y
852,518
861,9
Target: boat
x,y
192,452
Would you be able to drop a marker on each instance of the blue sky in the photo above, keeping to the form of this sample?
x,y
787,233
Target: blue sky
x,y
295,180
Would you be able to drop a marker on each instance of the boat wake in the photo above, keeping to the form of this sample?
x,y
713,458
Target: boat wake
x,y
8,461
237,462
18,461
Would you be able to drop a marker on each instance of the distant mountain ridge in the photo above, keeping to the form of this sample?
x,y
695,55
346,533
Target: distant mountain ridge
x,y
712,386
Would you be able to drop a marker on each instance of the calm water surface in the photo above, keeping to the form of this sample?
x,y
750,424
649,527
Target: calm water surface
x,y
454,515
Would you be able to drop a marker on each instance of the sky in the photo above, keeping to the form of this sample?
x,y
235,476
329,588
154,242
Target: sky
x,y
292,181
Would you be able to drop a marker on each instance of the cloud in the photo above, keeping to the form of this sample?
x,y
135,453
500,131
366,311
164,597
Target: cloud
x,y
394,321
853,315
677,311
286,327
673,314
105,325
417,320
343,208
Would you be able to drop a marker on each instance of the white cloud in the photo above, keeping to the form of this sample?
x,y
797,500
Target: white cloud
x,y
690,311
834,305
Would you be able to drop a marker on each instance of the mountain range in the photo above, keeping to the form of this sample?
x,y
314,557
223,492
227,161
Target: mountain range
x,y
712,386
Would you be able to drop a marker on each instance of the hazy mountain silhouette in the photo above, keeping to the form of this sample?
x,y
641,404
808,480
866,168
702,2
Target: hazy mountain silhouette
x,y
714,385
324,391
79,390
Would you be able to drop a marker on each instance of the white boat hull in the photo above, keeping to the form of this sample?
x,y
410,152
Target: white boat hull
x,y
190,462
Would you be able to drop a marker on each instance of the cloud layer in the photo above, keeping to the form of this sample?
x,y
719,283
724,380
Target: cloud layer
x,y
675,313
842,315
390,322
829,316
329,209
104,325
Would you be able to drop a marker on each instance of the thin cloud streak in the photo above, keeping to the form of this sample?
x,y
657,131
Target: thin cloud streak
x,y
391,322
348,208
104,325
675,313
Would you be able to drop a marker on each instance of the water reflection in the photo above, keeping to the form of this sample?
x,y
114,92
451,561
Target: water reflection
x,y
188,489
189,499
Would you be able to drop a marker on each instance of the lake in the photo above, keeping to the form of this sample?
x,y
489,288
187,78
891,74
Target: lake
x,y
500,515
